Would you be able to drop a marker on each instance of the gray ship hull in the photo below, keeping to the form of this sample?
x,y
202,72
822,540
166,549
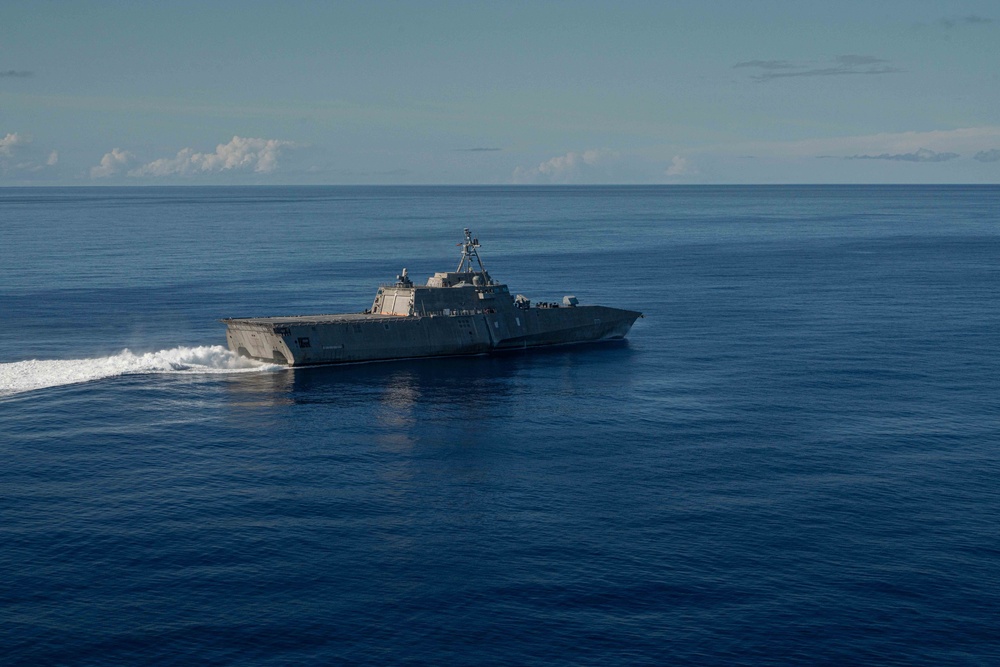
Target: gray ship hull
x,y
337,339
460,312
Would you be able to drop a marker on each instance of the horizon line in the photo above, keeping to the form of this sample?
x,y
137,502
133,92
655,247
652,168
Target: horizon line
x,y
473,185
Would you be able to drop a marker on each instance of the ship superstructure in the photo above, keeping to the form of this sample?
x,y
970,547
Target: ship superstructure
x,y
457,312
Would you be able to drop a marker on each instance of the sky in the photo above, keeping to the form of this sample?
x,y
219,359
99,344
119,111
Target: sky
x,y
672,92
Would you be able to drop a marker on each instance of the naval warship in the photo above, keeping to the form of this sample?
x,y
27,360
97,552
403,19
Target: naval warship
x,y
461,312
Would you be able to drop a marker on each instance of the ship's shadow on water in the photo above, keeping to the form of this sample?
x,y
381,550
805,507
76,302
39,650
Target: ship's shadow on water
x,y
437,381
445,380
492,400
495,384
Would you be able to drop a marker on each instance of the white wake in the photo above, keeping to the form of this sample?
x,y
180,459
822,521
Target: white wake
x,y
22,376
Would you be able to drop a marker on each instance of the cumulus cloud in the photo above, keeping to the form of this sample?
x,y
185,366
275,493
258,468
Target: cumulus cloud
x,y
603,167
19,157
841,65
240,154
569,168
15,74
11,142
992,155
920,155
112,164
679,167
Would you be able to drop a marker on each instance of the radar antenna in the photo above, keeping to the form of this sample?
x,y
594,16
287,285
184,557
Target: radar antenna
x,y
468,253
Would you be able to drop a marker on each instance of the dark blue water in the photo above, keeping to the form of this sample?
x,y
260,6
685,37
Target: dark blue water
x,y
792,460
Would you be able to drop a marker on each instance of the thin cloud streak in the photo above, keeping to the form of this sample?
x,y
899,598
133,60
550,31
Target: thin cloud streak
x,y
766,64
851,60
16,74
842,65
965,141
955,21
920,155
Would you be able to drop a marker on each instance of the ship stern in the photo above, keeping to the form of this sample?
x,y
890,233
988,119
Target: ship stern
x,y
261,342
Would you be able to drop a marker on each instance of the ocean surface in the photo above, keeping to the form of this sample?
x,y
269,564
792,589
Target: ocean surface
x,y
793,459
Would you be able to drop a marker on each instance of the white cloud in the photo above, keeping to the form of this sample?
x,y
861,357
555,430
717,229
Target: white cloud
x,y
11,141
569,168
604,167
679,167
240,154
112,163
20,159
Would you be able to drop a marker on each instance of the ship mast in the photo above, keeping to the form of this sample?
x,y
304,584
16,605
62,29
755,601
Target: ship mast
x,y
468,253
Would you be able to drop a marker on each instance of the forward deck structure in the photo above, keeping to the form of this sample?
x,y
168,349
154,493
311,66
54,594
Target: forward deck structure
x,y
459,312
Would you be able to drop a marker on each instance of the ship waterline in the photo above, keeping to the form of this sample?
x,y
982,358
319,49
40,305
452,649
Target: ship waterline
x,y
462,312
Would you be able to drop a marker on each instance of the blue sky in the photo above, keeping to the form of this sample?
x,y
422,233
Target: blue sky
x,y
541,92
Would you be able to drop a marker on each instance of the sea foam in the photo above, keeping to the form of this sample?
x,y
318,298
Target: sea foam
x,y
23,376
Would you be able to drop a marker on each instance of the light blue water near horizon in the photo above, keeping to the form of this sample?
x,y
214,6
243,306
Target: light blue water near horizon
x,y
791,460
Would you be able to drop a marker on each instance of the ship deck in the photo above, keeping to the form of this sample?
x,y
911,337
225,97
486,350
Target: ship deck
x,y
311,319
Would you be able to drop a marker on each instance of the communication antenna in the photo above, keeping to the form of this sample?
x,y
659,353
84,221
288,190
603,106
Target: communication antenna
x,y
468,253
